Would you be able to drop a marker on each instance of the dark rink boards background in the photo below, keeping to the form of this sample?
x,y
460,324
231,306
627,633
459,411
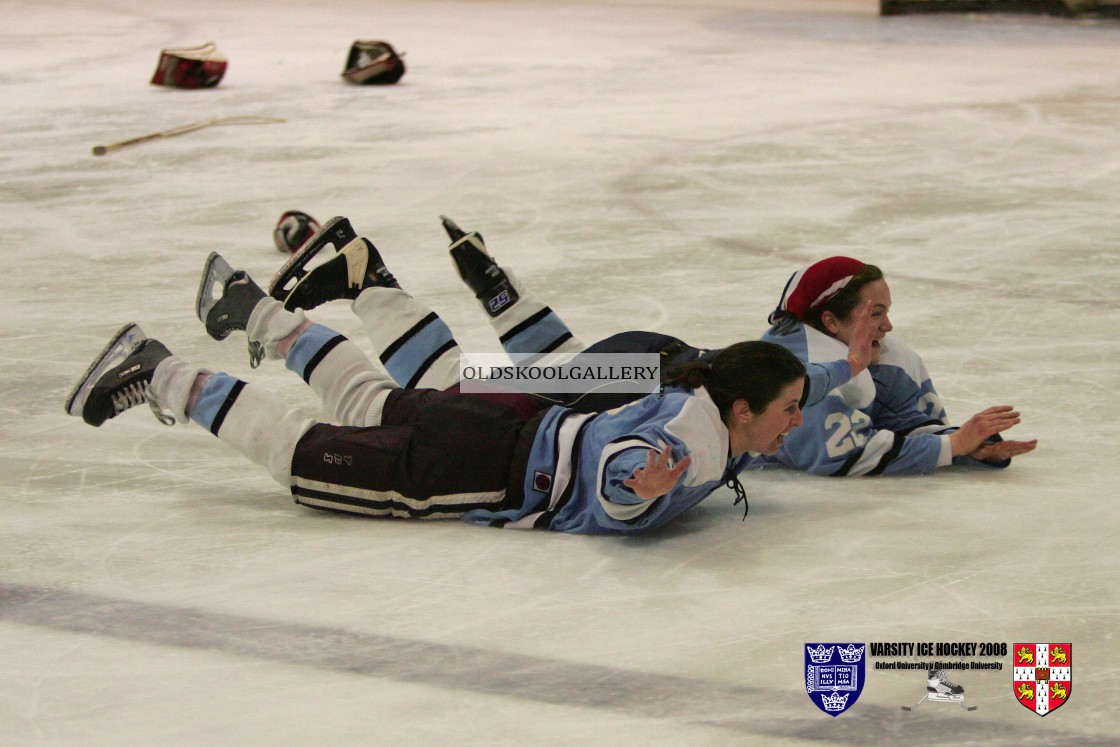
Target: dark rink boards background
x,y
642,165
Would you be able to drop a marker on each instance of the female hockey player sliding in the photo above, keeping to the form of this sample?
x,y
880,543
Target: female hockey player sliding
x,y
500,460
885,420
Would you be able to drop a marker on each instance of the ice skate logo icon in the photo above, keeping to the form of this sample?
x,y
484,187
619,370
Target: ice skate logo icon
x,y
1042,678
834,675
940,689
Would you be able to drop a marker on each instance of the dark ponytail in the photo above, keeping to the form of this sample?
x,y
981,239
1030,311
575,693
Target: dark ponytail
x,y
755,371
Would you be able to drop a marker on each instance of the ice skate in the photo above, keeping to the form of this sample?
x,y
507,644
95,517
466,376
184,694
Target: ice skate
x,y
355,266
230,311
940,689
118,378
479,270
940,685
293,230
336,233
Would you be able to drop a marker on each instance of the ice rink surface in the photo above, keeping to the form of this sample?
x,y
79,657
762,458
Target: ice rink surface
x,y
643,165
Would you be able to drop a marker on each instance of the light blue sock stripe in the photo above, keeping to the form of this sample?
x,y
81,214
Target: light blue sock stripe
x,y
535,338
212,399
407,359
307,348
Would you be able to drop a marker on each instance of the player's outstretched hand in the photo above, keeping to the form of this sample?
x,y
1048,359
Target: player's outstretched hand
x,y
863,336
998,451
657,478
982,426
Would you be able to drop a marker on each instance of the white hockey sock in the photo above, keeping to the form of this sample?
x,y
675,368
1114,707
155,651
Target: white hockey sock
x,y
270,324
352,388
529,326
415,346
171,385
253,422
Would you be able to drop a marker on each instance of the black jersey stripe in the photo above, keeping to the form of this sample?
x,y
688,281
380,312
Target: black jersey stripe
x,y
925,424
545,519
890,456
846,467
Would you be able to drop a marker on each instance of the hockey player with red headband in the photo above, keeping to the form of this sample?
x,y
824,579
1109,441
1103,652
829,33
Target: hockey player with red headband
x,y
888,419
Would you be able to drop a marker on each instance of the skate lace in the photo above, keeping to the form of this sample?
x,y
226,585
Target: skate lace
x,y
940,675
137,393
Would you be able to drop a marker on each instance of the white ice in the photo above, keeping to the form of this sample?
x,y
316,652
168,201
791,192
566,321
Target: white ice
x,y
644,165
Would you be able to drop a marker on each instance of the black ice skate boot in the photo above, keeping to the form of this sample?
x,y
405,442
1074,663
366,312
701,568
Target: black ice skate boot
x,y
229,312
478,269
118,379
937,683
356,265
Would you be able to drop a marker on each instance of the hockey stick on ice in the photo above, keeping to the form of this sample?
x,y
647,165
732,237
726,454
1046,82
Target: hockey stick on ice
x,y
100,150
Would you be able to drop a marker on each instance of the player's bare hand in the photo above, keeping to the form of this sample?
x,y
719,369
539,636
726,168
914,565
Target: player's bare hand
x,y
998,451
861,343
657,478
982,426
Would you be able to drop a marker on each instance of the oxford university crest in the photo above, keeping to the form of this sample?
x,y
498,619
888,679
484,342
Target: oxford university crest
x,y
834,674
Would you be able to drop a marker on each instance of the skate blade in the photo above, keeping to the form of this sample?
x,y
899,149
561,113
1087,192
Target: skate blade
x,y
336,233
214,274
120,347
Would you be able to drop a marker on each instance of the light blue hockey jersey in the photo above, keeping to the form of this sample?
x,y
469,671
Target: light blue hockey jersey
x,y
578,462
887,420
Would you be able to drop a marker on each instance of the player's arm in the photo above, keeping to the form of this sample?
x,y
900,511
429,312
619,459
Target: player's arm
x,y
658,476
853,446
634,473
841,441
825,376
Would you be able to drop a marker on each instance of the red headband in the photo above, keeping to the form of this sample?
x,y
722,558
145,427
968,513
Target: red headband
x,y
814,285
